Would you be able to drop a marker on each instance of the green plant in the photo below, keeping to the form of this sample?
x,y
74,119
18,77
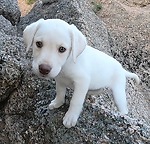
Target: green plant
x,y
30,1
97,6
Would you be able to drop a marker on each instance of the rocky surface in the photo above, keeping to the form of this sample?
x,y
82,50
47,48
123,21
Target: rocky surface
x,y
129,29
10,10
24,99
9,59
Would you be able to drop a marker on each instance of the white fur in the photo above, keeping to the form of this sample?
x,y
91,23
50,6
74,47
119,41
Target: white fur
x,y
80,67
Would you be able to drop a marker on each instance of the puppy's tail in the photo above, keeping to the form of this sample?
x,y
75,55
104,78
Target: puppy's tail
x,y
132,75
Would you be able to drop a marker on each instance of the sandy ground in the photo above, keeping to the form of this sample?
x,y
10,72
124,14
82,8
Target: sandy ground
x,y
24,7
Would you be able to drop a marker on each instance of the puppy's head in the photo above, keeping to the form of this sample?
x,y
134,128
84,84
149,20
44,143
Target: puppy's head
x,y
53,42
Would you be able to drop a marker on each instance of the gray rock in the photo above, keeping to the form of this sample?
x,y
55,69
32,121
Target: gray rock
x,y
10,59
25,117
10,10
6,28
48,1
10,67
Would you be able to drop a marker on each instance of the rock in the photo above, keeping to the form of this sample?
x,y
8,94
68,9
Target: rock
x,y
25,117
10,10
48,1
6,29
10,70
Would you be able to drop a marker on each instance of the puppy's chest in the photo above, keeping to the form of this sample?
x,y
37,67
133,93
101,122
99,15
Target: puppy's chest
x,y
66,81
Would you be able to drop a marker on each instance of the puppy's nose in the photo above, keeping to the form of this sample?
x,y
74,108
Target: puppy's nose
x,y
44,69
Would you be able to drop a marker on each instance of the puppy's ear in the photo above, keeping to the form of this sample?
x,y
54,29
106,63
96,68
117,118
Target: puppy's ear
x,y
29,32
78,42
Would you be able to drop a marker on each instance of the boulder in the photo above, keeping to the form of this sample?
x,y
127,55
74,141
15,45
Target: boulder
x,y
24,115
9,59
10,10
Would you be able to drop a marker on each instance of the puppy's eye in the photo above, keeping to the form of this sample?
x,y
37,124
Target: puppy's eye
x,y
39,44
62,49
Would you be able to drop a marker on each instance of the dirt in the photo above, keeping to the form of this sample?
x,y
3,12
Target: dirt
x,y
24,7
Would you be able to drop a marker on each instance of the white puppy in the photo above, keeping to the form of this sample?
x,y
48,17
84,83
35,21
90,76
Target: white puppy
x,y
60,51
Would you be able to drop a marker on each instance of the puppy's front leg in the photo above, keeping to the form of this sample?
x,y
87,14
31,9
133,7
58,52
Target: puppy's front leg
x,y
75,108
60,96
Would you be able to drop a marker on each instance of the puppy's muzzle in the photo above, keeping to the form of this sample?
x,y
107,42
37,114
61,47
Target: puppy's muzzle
x,y
44,69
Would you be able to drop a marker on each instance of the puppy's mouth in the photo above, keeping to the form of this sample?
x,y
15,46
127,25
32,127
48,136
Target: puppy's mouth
x,y
40,75
43,76
47,76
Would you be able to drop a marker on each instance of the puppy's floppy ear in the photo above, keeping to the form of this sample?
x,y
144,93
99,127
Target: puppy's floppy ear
x,y
29,32
78,42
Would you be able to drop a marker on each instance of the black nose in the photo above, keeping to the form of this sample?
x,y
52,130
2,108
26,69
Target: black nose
x,y
44,69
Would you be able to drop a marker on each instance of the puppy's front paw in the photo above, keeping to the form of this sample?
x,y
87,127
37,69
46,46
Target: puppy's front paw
x,y
70,119
55,104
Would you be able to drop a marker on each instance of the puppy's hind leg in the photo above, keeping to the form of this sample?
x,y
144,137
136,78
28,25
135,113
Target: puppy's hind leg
x,y
119,95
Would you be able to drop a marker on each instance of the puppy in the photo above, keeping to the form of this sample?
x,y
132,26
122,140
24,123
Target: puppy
x,y
60,51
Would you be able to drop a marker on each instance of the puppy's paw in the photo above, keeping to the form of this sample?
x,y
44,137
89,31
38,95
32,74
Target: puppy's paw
x,y
70,119
55,104
125,112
